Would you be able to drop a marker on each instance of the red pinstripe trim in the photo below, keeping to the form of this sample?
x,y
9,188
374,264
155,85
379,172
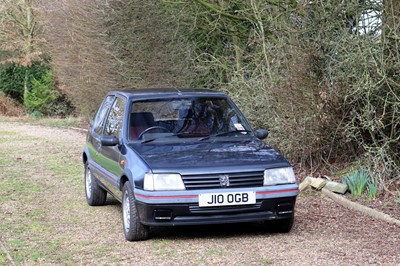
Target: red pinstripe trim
x,y
105,174
277,191
167,197
195,196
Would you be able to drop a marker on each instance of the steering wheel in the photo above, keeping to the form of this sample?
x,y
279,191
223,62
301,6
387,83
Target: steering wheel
x,y
152,128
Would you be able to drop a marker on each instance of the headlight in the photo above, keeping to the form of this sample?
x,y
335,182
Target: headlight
x,y
279,176
163,182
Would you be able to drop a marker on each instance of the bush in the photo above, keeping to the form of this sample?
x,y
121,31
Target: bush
x,y
12,81
42,95
12,78
363,79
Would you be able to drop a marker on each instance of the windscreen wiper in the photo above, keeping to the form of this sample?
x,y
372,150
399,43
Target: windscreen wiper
x,y
148,140
225,133
179,134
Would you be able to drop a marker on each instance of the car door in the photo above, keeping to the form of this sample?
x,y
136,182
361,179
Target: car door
x,y
109,156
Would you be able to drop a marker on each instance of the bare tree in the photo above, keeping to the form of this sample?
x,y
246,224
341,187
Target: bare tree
x,y
19,33
81,57
97,46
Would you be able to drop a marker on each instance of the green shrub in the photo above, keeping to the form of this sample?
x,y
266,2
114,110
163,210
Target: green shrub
x,y
42,95
12,81
12,78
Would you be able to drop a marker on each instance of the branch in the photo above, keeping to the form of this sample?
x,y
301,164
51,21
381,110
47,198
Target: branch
x,y
215,8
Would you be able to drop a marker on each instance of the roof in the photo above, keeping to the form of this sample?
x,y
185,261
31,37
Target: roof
x,y
167,92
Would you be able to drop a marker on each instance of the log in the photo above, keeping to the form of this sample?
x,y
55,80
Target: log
x,y
360,208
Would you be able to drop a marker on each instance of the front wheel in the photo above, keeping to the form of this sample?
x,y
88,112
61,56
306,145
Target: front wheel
x,y
95,195
134,230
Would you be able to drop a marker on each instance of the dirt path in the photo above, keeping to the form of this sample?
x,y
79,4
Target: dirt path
x,y
44,219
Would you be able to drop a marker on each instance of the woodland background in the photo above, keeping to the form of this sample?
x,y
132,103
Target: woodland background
x,y
322,75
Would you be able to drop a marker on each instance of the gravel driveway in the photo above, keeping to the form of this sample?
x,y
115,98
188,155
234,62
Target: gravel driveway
x,y
45,220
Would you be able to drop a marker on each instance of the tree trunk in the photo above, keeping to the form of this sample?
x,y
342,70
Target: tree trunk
x,y
29,35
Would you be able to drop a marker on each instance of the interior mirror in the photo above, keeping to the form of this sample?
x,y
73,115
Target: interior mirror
x,y
261,133
109,141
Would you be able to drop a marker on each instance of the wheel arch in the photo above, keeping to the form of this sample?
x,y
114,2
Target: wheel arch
x,y
125,177
122,181
84,158
85,155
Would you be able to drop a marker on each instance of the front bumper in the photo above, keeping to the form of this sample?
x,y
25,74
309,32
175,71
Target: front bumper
x,y
191,214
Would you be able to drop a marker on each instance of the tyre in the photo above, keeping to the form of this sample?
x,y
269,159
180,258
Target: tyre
x,y
134,230
95,195
280,225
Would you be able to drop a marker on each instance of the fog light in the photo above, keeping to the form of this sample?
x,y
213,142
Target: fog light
x,y
163,215
284,208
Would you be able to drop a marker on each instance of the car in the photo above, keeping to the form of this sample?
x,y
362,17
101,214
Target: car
x,y
176,157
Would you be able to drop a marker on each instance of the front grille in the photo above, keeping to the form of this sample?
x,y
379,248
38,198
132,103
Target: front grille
x,y
236,180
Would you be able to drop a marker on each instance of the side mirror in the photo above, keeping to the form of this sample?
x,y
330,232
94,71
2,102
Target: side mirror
x,y
261,133
109,140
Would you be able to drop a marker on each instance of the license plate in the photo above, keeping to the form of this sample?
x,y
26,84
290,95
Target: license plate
x,y
226,199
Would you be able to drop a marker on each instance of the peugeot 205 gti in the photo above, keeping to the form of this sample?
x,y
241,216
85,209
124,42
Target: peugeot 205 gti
x,y
184,157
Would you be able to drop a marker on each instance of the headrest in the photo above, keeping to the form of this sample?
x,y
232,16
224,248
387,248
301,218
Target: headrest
x,y
185,114
142,119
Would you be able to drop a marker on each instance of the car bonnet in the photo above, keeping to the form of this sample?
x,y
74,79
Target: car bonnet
x,y
177,157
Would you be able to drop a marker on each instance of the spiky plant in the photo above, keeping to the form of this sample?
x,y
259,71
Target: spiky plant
x,y
357,181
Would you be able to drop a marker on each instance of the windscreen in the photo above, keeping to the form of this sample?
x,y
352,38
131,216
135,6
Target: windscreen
x,y
187,117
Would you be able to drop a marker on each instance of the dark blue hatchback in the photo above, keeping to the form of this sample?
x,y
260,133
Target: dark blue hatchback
x,y
184,157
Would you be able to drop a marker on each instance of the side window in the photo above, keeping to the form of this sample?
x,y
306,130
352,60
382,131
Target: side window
x,y
115,119
101,114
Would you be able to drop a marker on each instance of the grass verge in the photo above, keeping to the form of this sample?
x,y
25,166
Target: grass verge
x,y
35,170
48,121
